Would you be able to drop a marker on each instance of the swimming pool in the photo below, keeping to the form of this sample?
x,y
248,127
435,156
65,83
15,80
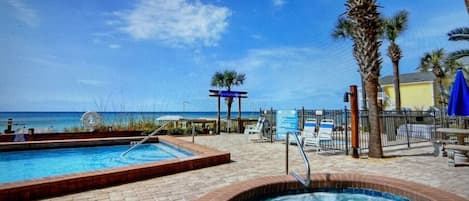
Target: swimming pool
x,y
34,164
349,194
75,182
325,184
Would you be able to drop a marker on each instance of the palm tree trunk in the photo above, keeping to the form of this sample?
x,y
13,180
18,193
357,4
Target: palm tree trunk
x,y
365,18
441,102
441,90
467,5
374,142
364,102
397,86
229,102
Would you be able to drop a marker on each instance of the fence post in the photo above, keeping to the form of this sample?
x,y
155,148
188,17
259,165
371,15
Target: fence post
x,y
271,130
286,154
346,130
407,128
435,136
303,117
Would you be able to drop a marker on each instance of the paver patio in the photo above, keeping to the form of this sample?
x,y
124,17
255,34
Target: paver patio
x,y
252,160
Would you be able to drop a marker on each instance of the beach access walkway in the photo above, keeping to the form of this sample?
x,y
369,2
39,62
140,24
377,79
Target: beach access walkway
x,y
253,160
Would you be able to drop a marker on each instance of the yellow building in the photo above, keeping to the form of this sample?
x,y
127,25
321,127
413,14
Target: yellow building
x,y
419,91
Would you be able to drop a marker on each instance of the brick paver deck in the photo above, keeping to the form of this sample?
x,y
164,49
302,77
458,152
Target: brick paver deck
x,y
253,160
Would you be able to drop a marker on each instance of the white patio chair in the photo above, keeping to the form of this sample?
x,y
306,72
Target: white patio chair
x,y
325,130
255,129
309,134
324,135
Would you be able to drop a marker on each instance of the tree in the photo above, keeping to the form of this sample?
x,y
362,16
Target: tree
x,y
459,34
392,27
364,18
228,79
467,5
343,30
442,67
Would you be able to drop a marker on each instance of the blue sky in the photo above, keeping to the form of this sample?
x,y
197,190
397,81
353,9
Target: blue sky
x,y
159,55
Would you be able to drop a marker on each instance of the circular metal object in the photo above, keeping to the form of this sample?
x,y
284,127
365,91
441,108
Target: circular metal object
x,y
90,120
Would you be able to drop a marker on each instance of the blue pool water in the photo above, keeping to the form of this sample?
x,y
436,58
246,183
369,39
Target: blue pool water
x,y
34,164
346,194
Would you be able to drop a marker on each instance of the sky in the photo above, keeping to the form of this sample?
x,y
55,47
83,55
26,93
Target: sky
x,y
160,55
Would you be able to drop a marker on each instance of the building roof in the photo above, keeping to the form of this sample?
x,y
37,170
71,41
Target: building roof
x,y
408,78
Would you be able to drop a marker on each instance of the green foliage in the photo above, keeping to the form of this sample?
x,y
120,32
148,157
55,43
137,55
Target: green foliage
x,y
74,129
343,29
443,67
227,79
147,125
395,25
459,34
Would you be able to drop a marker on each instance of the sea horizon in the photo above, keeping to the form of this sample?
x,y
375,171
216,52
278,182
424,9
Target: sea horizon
x,y
57,121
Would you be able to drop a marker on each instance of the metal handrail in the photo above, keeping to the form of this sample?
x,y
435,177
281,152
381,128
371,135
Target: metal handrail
x,y
306,181
145,139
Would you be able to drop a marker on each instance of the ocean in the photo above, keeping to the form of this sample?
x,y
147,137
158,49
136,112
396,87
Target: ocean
x,y
58,121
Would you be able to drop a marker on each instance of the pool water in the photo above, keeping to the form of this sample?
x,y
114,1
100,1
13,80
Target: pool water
x,y
33,164
348,194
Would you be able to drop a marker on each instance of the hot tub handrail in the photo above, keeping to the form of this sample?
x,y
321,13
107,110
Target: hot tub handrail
x,y
145,139
306,181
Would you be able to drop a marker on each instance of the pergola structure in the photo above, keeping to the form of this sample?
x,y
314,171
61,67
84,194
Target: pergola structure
x,y
228,94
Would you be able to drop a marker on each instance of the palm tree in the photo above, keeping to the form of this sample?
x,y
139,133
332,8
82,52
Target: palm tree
x,y
444,69
365,23
343,30
459,34
228,79
392,27
467,5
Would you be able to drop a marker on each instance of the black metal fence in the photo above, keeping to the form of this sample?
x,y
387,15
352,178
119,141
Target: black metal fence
x,y
404,128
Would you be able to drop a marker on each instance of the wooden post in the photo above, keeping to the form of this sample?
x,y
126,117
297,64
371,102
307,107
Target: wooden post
x,y
228,95
354,120
193,133
218,116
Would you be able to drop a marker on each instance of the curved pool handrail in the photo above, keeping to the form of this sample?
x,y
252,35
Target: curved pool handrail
x,y
306,181
145,139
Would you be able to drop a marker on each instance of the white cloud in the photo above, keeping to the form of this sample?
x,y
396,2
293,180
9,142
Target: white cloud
x,y
278,3
114,46
175,22
440,25
24,13
257,37
90,82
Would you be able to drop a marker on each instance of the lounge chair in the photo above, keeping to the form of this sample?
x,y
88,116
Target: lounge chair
x,y
255,129
324,135
325,130
309,134
309,131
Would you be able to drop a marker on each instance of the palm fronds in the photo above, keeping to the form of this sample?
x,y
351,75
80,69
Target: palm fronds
x,y
459,34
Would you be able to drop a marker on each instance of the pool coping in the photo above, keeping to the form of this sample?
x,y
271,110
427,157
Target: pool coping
x,y
60,185
64,143
273,185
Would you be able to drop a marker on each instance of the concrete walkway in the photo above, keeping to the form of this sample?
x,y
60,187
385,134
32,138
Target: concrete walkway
x,y
252,160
